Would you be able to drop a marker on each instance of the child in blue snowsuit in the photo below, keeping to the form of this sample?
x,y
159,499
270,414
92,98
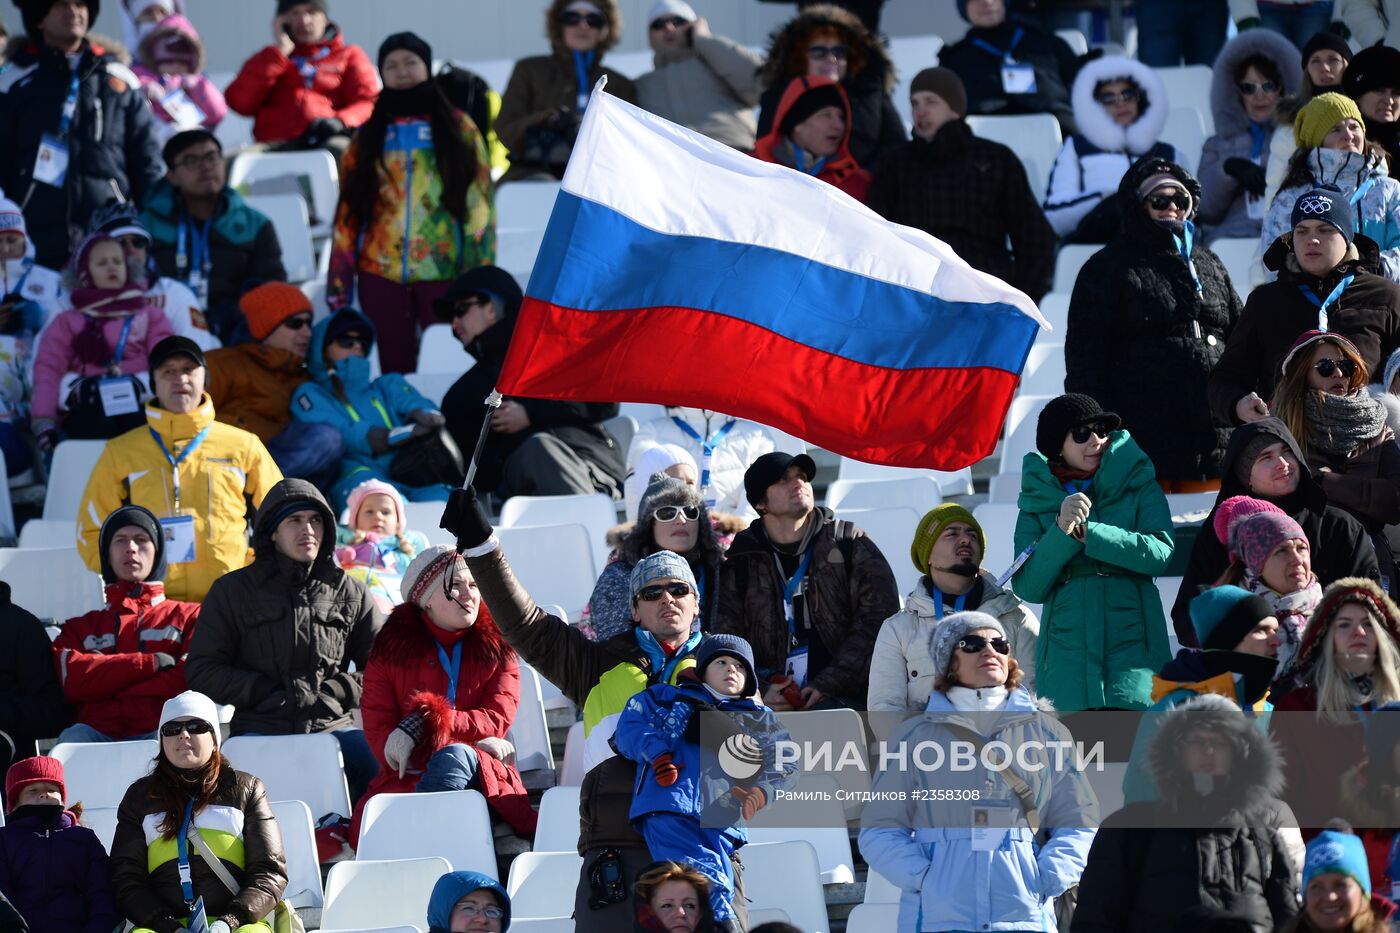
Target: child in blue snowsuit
x,y
341,394
685,806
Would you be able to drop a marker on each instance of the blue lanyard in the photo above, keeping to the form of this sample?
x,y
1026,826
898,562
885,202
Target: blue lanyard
x,y
176,461
707,447
582,62
453,669
1021,558
938,603
1325,303
1000,53
1183,249
1257,132
790,592
800,160
1078,485
307,66
182,846
70,106
1356,197
121,341
200,243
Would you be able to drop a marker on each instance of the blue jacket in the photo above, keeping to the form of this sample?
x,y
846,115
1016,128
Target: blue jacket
x,y
657,720
925,846
382,403
55,872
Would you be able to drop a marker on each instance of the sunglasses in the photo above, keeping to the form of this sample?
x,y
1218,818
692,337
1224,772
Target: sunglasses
x,y
575,18
1325,368
671,513
132,241
1082,432
819,52
973,644
193,726
464,305
679,22
350,341
296,323
652,593
1160,202
1249,88
1128,96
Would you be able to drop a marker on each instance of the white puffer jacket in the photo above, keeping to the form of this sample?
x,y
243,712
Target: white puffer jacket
x,y
1093,161
745,443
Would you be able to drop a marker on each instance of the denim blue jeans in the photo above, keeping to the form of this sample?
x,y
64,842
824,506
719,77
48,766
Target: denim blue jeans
x,y
360,763
1298,21
1175,32
452,767
82,732
308,451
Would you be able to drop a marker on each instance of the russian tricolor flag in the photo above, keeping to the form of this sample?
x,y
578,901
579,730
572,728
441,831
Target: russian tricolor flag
x,y
678,271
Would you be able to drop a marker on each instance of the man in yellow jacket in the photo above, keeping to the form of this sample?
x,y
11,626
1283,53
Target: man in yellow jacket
x,y
203,479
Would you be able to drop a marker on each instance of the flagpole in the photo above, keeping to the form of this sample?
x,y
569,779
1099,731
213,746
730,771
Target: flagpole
x,y
493,402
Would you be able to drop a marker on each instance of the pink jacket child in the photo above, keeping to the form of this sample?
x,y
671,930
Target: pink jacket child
x,y
170,60
378,536
109,304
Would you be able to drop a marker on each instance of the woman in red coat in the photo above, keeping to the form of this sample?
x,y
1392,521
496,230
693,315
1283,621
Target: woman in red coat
x,y
440,690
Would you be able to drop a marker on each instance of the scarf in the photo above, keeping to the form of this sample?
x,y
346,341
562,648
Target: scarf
x,y
410,101
1342,425
98,306
1066,474
1293,610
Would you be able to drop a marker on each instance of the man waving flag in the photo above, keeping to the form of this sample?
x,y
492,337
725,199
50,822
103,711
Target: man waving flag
x,y
667,252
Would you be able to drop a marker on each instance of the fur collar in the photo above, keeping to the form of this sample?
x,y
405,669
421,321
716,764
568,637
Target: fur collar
x,y
1230,116
1093,120
405,638
1257,776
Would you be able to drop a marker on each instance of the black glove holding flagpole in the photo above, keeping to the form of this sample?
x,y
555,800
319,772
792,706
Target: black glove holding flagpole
x,y
464,516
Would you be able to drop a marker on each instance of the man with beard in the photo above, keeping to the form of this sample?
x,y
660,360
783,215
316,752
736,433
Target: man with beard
x,y
948,547
806,590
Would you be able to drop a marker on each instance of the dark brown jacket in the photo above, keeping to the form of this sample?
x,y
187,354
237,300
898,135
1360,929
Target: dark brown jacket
x,y
543,84
151,897
846,604
1367,484
598,677
277,637
252,385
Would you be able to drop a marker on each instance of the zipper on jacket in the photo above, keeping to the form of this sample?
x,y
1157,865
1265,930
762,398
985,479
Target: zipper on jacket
x,y
407,210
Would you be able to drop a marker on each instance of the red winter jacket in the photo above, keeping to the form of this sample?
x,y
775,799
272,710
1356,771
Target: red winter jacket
x,y
271,88
841,170
404,675
106,658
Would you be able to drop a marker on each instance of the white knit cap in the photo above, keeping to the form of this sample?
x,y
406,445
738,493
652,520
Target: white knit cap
x,y
671,8
192,703
11,217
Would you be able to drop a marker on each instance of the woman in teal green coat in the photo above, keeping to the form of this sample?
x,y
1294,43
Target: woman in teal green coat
x,y
1097,529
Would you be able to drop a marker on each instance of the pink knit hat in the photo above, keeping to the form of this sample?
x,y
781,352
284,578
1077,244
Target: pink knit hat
x,y
370,487
1229,513
1259,534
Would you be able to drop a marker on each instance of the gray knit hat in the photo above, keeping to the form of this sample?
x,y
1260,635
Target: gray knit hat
x,y
951,630
662,565
666,490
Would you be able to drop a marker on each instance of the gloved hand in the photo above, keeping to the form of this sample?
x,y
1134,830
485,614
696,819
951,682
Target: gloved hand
x,y
667,771
320,130
219,926
1248,174
45,432
398,748
427,418
1249,22
163,660
750,801
499,749
466,519
378,440
1073,511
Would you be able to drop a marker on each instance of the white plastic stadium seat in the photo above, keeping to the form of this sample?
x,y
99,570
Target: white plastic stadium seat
x,y
98,773
571,773
295,767
1068,262
956,483
1236,254
1075,40
402,928
52,583
542,925
823,825
434,387
1045,370
68,475
7,511
880,890
363,894
103,822
298,829
999,525
542,884
1186,131
1021,407
423,517
558,823
552,562
873,918
439,351
454,825
530,730
595,512
317,165
1021,441
48,533
1004,489
1187,85
838,728
911,55
916,492
1035,137
1054,307
786,875
293,225
892,530
550,693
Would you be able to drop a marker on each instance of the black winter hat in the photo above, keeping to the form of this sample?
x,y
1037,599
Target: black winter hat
x,y
285,5
126,516
410,41
812,100
492,281
769,468
173,346
1376,67
32,12
1326,40
1063,415
714,646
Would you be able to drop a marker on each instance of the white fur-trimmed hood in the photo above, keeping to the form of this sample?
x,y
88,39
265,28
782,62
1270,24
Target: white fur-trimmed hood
x,y
1093,120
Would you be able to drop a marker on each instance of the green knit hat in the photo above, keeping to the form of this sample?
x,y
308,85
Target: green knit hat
x,y
1319,115
932,525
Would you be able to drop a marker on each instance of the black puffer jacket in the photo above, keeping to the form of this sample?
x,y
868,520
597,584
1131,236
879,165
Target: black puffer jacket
x,y
1278,313
1339,545
277,637
112,143
1142,342
979,68
31,700
1148,864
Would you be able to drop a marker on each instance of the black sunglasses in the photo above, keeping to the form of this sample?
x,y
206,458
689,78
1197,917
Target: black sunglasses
x,y
680,22
1325,368
349,341
1160,202
652,593
973,644
574,18
192,726
668,513
1081,432
464,305
296,323
1127,95
1249,88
